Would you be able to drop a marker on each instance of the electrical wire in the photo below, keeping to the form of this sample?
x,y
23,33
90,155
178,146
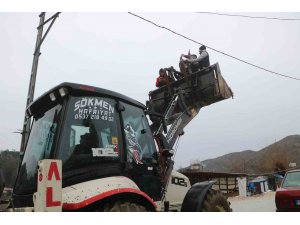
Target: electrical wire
x,y
241,60
251,17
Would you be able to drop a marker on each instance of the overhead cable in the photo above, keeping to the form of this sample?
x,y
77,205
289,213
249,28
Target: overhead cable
x,y
241,60
250,17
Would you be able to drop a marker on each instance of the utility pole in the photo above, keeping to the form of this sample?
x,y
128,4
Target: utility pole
x,y
39,40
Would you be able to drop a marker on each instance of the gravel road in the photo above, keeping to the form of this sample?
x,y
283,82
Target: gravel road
x,y
258,203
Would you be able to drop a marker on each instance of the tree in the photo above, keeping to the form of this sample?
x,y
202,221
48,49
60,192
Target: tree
x,y
9,164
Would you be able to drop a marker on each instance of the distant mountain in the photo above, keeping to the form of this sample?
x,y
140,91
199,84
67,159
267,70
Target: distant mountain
x,y
276,156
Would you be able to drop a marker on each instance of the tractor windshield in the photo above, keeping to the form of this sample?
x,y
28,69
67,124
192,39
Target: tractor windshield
x,y
39,146
90,135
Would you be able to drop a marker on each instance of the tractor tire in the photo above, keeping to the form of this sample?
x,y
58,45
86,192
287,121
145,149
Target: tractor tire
x,y
124,206
215,202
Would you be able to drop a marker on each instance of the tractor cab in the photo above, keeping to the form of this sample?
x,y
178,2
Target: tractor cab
x,y
96,133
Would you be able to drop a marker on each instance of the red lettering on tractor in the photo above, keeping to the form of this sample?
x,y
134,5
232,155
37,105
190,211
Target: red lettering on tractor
x,y
49,198
53,169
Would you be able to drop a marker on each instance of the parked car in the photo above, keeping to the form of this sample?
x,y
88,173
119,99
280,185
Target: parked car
x,y
287,197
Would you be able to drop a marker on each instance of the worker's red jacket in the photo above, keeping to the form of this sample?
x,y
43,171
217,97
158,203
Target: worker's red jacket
x,y
158,82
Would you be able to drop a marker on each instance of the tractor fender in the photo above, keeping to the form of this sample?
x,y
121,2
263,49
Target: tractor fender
x,y
83,194
194,198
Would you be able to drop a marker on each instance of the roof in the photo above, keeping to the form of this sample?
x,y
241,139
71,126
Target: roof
x,y
82,89
290,171
212,174
258,180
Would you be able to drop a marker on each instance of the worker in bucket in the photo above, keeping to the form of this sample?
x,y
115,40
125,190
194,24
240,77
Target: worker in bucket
x,y
163,78
201,62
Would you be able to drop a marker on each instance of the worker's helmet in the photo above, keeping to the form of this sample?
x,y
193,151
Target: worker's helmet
x,y
202,48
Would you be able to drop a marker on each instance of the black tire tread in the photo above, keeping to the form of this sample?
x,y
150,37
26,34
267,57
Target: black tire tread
x,y
215,202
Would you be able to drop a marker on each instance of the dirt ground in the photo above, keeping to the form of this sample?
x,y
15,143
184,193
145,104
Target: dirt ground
x,y
258,203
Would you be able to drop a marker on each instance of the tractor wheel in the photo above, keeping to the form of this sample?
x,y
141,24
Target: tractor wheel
x,y
215,202
124,206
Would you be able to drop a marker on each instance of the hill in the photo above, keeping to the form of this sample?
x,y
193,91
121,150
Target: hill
x,y
276,156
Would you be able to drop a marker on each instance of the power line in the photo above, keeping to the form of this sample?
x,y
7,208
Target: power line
x,y
241,60
251,17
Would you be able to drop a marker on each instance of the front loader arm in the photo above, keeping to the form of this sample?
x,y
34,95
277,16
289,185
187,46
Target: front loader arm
x,y
179,102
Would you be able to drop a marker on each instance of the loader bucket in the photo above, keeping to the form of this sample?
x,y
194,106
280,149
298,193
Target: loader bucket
x,y
197,90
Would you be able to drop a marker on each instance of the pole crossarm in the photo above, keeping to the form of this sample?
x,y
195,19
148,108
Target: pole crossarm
x,y
53,18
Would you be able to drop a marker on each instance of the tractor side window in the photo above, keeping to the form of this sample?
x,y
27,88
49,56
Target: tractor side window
x,y
139,140
40,143
90,133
